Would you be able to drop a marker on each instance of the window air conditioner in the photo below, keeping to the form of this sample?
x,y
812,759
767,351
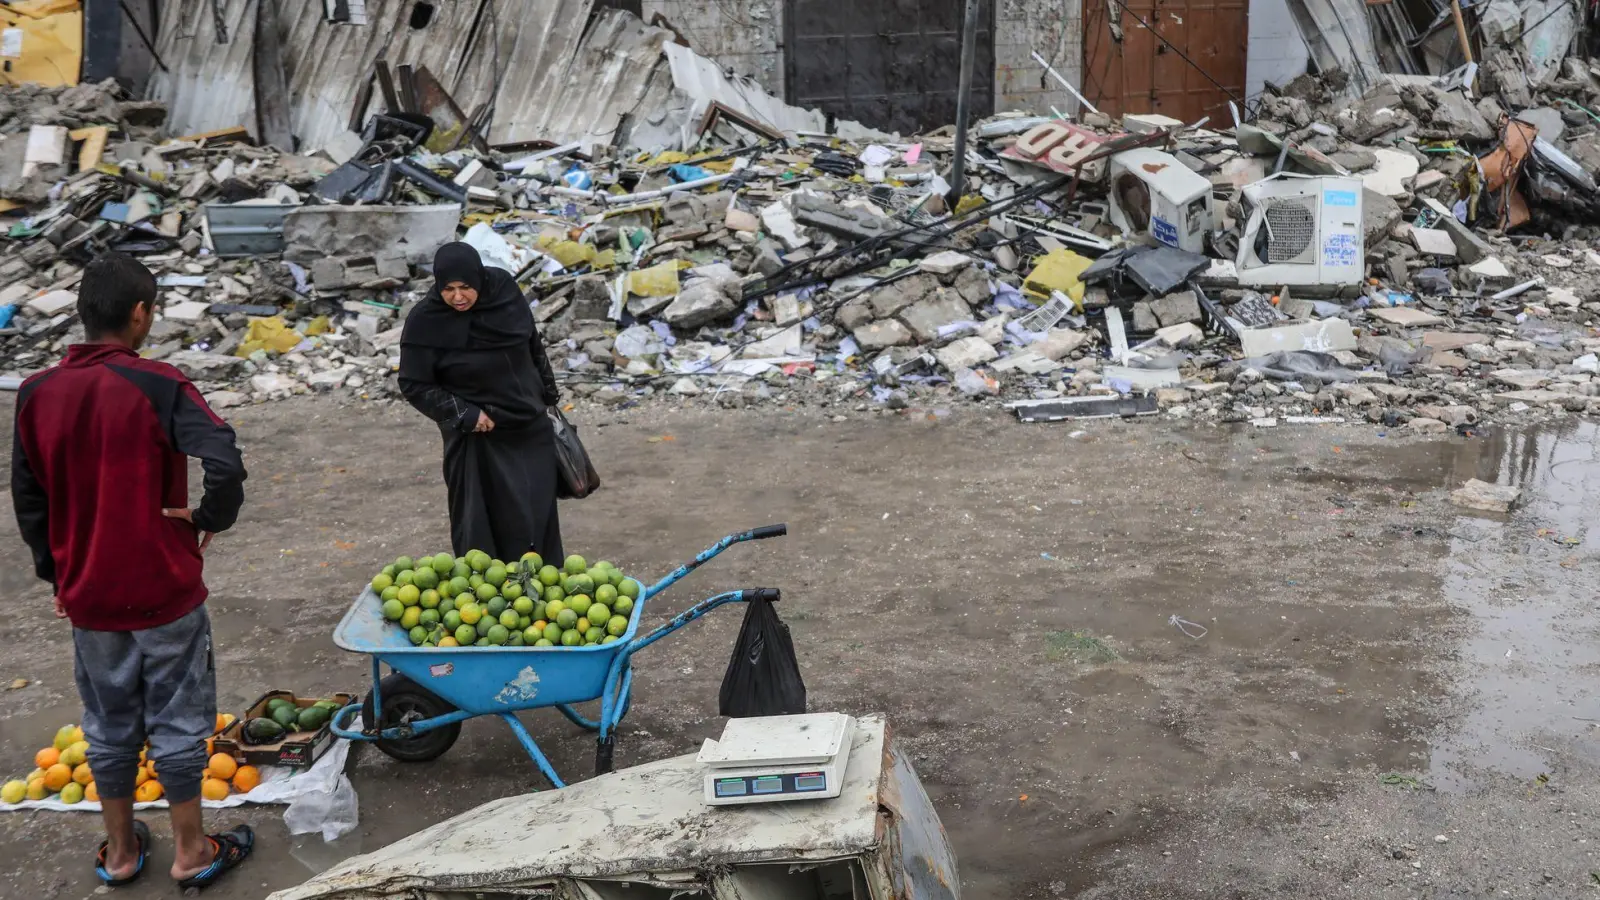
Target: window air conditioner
x,y
1302,231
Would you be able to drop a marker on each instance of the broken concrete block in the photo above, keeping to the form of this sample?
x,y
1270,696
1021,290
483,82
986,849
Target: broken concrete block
x,y
942,308
392,265
1520,379
1469,247
1404,316
1321,336
201,366
52,303
785,343
945,262
1425,425
1434,241
1144,318
972,283
1481,495
893,297
882,334
328,274
1176,308
1180,335
739,220
1058,342
854,314
701,303
185,311
965,353
224,399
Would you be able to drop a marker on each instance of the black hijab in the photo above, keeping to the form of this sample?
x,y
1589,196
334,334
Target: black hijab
x,y
500,318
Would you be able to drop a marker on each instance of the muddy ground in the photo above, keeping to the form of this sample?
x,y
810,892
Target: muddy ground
x,y
942,569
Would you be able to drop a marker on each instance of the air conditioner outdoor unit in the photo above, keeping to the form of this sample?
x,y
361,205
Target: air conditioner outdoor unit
x,y
1303,231
1152,191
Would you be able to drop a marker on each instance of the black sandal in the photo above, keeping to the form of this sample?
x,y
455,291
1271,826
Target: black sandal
x,y
141,833
231,848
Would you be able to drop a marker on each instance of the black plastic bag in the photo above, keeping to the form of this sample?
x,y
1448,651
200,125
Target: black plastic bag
x,y
763,677
578,476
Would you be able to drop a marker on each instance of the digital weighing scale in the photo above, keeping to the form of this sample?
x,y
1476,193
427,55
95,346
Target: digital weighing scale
x,y
775,758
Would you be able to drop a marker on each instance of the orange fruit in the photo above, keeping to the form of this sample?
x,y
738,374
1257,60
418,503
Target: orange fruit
x,y
82,774
47,757
223,766
246,779
141,777
147,792
57,777
214,789
224,720
91,793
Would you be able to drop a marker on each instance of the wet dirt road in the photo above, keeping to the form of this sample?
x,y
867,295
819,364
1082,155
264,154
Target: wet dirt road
x,y
1005,594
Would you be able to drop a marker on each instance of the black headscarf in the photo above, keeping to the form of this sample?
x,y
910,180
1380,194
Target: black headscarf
x,y
500,318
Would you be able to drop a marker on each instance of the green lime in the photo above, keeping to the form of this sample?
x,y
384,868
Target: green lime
x,y
623,606
594,634
511,590
532,635
443,564
461,584
566,618
393,610
532,562
629,588
515,640
465,635
475,581
554,593
541,642
552,632
411,617
497,634
616,626
418,635
486,591
392,592
405,577
447,589
460,570
549,575
478,560
509,618
605,593
579,604
522,605
598,613
409,595
390,571
429,617
380,582
404,563
470,613
524,621
452,620
497,605
484,624
446,605
429,599
575,564
496,575
571,639
603,564
540,610
609,639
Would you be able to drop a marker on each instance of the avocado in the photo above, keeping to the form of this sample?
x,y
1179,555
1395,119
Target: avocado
x,y
330,705
286,716
277,703
262,731
312,718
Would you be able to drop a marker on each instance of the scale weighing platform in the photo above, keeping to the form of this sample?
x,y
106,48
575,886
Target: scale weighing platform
x,y
776,758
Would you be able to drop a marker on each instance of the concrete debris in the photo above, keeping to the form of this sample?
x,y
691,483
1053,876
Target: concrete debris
x,y
1486,497
1424,260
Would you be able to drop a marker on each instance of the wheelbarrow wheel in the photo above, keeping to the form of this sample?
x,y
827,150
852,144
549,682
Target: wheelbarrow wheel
x,y
406,701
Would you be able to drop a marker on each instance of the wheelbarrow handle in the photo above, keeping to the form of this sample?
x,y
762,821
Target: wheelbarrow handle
x,y
706,555
767,531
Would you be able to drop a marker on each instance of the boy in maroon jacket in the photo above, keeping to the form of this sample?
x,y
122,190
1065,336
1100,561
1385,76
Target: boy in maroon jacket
x,y
99,481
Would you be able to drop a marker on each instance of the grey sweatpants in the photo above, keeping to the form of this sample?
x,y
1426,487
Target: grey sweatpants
x,y
160,685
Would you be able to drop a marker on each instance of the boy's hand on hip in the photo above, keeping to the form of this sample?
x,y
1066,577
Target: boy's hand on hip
x,y
188,516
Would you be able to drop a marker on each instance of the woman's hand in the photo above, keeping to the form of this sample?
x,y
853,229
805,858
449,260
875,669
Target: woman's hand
x,y
484,423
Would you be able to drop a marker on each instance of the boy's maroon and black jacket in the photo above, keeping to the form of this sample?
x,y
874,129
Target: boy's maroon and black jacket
x,y
99,449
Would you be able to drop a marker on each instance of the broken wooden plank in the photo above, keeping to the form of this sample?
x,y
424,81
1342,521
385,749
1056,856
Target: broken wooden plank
x,y
391,101
220,135
94,140
271,83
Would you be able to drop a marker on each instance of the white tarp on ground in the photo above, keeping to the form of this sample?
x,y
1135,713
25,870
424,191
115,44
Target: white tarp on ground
x,y
320,799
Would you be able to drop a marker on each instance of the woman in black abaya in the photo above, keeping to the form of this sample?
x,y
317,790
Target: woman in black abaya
x,y
471,360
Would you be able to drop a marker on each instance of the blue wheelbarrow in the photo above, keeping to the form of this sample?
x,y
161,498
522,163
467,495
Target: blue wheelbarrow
x,y
414,714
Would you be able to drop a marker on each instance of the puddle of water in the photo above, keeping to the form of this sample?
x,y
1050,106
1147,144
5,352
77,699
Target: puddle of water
x,y
1528,582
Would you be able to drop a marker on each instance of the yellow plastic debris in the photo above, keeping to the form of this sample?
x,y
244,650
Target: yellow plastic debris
x,y
1057,270
969,203
271,334
660,280
319,325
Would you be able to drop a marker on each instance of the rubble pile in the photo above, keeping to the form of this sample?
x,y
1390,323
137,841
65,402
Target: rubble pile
x,y
1420,254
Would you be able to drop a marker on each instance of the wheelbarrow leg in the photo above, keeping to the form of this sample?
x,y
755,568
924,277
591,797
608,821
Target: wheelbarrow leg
x,y
576,717
613,706
532,748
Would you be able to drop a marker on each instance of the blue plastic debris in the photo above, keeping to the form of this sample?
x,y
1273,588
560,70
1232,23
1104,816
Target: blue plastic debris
x,y
684,172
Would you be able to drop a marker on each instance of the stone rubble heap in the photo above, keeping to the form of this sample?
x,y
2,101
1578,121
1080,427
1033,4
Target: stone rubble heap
x,y
810,269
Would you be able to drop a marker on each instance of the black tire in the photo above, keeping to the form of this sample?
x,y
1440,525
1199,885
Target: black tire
x,y
406,701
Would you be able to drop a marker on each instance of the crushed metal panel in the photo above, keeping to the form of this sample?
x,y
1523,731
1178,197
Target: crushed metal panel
x,y
653,820
921,863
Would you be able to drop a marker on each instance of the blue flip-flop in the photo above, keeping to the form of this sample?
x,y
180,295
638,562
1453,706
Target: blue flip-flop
x,y
231,848
141,833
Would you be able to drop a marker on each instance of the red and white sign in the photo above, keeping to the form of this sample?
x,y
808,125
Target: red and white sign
x,y
1059,146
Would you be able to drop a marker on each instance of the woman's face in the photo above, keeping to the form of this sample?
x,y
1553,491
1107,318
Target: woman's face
x,y
459,296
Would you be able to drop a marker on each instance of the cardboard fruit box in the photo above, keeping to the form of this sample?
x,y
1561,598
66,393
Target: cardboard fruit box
x,y
297,749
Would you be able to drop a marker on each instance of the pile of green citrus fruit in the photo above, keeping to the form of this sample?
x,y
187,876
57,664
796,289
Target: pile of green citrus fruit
x,y
477,601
